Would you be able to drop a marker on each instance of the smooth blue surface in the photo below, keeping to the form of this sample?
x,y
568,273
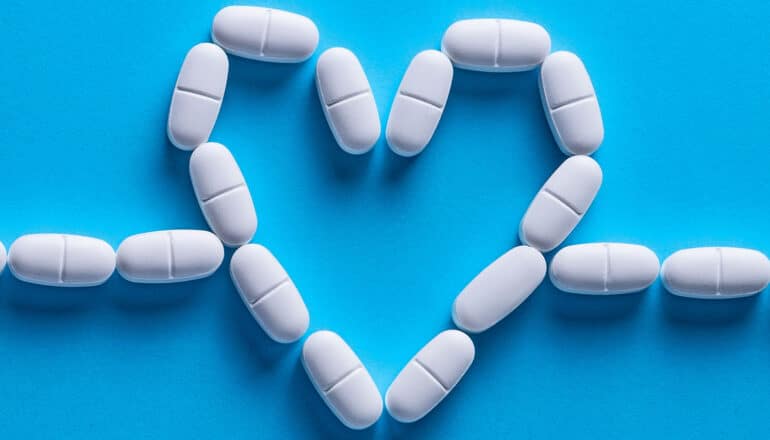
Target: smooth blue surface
x,y
380,245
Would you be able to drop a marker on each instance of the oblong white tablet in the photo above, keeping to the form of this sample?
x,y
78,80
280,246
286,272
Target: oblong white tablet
x,y
561,203
61,260
604,268
498,289
169,256
222,194
430,376
570,104
265,34
2,257
197,96
419,103
269,293
496,45
347,100
715,272
341,379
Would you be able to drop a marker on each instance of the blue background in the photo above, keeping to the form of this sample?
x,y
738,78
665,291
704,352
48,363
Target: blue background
x,y
379,245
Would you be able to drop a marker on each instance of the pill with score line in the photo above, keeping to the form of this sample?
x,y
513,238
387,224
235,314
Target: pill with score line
x,y
604,268
269,293
169,256
197,98
496,45
265,34
715,272
341,379
61,260
347,100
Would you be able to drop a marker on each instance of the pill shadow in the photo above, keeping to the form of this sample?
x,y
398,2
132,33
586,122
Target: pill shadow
x,y
61,301
593,309
311,408
683,313
132,297
342,167
260,76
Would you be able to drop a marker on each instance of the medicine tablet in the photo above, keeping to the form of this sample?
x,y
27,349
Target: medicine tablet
x,y
604,268
501,287
197,96
169,256
61,260
341,380
269,293
430,376
2,257
419,103
715,272
570,104
222,194
561,203
496,45
347,100
265,34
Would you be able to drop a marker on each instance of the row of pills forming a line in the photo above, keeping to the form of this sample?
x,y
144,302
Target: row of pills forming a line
x,y
489,45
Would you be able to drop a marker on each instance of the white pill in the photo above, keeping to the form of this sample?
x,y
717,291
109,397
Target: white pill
x,y
269,293
222,194
341,380
716,272
570,104
347,100
561,203
169,256
61,260
604,268
496,45
419,103
497,290
430,376
265,34
2,257
197,96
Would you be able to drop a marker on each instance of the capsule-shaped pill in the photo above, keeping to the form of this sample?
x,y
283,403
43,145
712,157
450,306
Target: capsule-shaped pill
x,y
715,272
2,257
61,260
604,268
265,34
169,256
269,293
496,45
347,100
561,203
570,104
197,96
419,103
222,194
430,376
497,290
341,380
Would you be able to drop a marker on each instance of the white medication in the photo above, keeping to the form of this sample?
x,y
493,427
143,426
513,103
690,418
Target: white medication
x,y
265,34
499,289
61,260
561,203
2,257
197,96
222,194
496,45
419,103
269,293
347,100
570,104
604,268
715,272
341,380
430,376
169,256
